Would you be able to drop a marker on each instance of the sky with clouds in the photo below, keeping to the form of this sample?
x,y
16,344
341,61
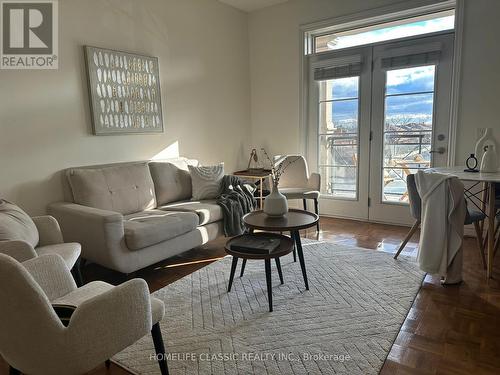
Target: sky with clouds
x,y
401,81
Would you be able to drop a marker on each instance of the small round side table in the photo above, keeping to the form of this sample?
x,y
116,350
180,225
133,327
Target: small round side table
x,y
293,221
285,247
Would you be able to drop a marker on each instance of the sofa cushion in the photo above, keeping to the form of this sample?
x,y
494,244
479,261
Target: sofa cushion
x,y
147,228
172,181
124,188
208,211
206,181
298,193
15,224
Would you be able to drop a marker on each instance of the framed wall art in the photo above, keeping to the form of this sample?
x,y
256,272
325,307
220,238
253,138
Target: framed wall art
x,y
124,92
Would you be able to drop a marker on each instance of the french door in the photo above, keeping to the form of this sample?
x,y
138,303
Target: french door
x,y
377,114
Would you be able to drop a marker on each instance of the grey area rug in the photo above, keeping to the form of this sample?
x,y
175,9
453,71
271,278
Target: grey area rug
x,y
345,324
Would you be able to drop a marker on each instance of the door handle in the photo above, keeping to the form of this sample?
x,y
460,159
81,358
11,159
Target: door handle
x,y
440,150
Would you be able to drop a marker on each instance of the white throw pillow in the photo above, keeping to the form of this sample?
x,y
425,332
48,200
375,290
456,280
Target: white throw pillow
x,y
206,181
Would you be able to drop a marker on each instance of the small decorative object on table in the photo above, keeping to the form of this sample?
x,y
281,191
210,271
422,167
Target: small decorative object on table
x,y
489,163
256,244
486,139
471,163
253,162
275,203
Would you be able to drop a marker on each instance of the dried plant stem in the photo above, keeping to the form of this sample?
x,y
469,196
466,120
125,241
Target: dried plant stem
x,y
277,169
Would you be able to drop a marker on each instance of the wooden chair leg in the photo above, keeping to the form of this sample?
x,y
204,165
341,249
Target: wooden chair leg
x,y
407,238
496,246
497,241
316,211
479,238
159,349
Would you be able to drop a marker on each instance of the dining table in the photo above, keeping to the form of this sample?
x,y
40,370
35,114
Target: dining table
x,y
487,201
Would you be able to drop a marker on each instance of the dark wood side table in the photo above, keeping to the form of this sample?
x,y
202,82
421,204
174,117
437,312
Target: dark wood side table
x,y
285,247
293,221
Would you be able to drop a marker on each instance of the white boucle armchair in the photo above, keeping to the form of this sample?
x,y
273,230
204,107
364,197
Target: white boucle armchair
x,y
297,183
23,238
105,319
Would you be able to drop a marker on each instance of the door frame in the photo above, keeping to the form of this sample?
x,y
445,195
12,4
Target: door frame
x,y
356,208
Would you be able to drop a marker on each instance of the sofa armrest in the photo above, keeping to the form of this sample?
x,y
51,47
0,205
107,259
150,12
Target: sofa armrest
x,y
314,182
100,232
112,320
19,250
52,274
48,230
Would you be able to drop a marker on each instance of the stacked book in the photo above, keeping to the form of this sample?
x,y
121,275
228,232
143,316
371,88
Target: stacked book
x,y
255,244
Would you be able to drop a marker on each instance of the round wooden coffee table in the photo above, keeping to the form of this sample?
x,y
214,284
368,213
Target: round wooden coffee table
x,y
293,221
285,247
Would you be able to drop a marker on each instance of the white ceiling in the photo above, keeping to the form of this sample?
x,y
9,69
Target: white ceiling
x,y
251,5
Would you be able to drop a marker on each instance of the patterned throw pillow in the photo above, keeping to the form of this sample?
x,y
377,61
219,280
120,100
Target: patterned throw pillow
x,y
206,181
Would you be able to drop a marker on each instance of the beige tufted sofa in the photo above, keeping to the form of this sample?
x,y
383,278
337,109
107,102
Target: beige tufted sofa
x,y
130,215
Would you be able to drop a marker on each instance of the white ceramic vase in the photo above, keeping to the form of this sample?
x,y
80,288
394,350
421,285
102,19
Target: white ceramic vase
x,y
489,163
275,204
486,139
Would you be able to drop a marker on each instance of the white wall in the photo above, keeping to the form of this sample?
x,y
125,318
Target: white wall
x,y
275,56
480,82
45,122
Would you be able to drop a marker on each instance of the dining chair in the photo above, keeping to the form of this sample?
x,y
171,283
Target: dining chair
x,y
49,326
471,217
297,183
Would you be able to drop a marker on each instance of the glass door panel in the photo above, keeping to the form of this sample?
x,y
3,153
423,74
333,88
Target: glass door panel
x,y
338,137
409,122
409,108
339,132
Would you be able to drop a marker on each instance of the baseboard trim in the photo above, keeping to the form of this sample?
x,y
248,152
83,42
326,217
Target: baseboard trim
x,y
468,229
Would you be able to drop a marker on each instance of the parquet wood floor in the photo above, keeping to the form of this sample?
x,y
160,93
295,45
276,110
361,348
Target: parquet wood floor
x,y
449,330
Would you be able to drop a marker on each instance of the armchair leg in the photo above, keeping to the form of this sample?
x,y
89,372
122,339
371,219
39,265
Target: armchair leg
x,y
107,363
13,371
316,211
407,238
77,275
159,349
304,203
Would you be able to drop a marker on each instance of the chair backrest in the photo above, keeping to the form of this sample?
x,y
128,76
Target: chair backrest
x,y
30,327
296,174
416,201
15,224
414,197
